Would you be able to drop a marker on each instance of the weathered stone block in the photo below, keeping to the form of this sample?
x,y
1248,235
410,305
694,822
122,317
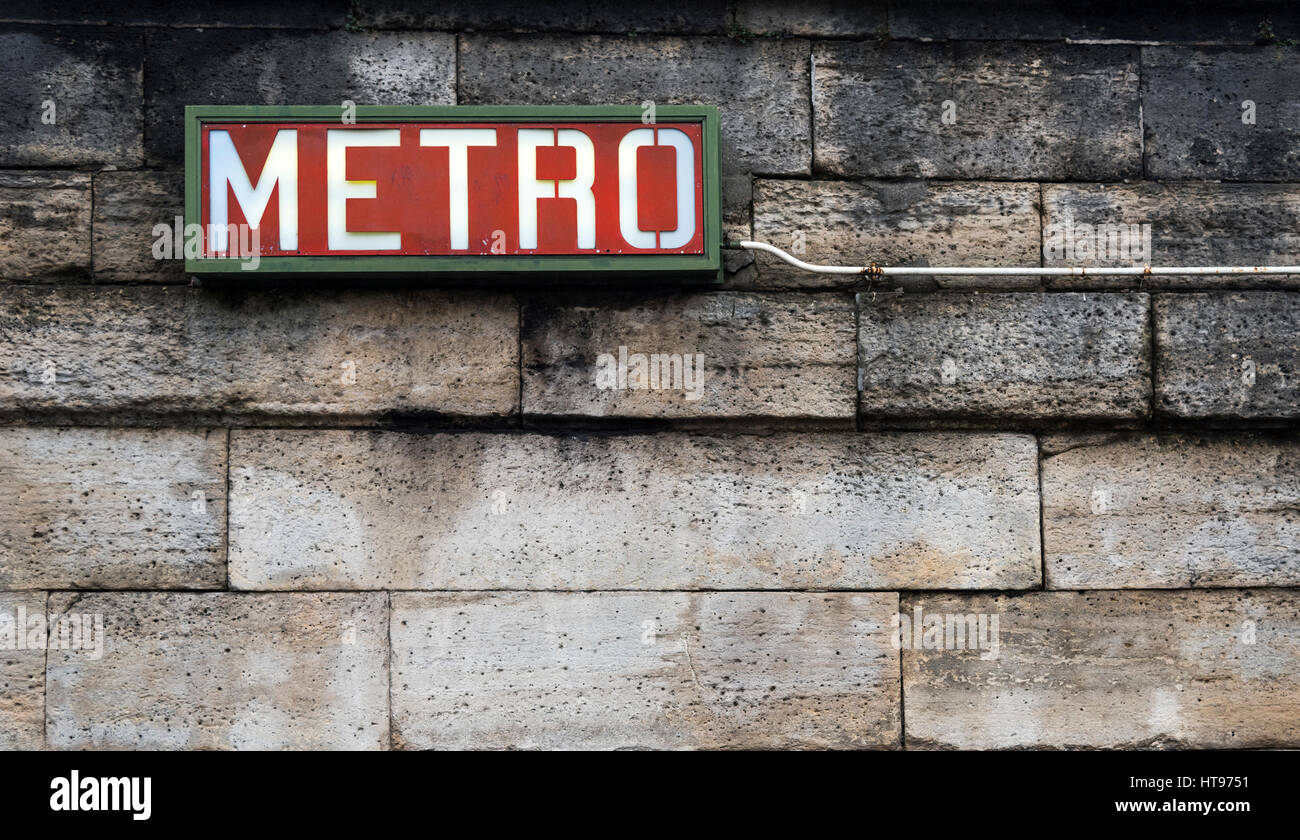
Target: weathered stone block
x,y
71,97
897,109
819,18
337,355
1111,670
22,672
128,205
617,670
112,509
889,223
690,16
322,14
331,510
1228,355
760,356
1186,224
251,67
760,87
223,671
1226,113
44,225
1168,512
1005,356
1047,20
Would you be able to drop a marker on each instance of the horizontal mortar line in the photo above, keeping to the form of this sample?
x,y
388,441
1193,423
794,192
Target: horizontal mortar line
x,y
1046,182
80,283
1057,40
450,591
171,169
897,591
864,36
936,179
69,168
1071,41
1086,591
1225,427
718,591
619,428
841,289
554,431
146,27
184,421
135,24
145,169
176,169
498,32
887,292
503,285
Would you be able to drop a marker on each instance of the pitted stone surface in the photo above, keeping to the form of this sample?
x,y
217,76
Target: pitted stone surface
x,y
286,354
1008,357
1110,670
223,670
656,670
22,672
112,508
1228,355
329,510
1131,512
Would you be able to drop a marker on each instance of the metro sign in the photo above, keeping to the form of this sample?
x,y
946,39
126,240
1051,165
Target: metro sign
x,y
453,189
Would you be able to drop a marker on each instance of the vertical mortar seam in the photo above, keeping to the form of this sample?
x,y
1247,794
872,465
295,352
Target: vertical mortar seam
x,y
519,358
388,600
45,685
902,694
226,512
455,68
144,121
1042,518
812,111
1142,127
94,178
1152,351
857,361
1042,284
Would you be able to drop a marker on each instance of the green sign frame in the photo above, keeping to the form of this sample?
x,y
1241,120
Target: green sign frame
x,y
597,264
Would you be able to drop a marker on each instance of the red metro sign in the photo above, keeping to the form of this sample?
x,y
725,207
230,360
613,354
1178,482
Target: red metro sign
x,y
452,189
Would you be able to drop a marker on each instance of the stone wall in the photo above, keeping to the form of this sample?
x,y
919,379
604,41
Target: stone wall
x,y
401,515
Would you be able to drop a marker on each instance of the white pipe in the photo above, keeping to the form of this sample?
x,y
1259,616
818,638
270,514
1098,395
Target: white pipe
x,y
1073,271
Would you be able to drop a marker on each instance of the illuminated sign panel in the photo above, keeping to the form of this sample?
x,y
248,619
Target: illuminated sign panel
x,y
453,189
